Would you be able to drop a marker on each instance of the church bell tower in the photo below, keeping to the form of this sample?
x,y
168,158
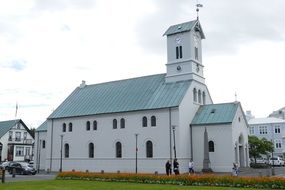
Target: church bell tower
x,y
184,52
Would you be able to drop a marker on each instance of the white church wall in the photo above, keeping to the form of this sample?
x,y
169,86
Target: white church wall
x,y
222,158
105,138
39,150
240,130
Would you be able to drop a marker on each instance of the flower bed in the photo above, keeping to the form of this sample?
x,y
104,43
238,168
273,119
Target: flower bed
x,y
193,180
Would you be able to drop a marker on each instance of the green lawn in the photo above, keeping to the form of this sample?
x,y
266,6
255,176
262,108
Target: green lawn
x,y
78,185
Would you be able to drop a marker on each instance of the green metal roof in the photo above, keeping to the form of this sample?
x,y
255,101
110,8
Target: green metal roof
x,y
215,114
5,126
143,93
184,27
42,127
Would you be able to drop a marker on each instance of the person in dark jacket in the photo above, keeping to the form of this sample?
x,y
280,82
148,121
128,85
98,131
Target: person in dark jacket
x,y
168,167
176,167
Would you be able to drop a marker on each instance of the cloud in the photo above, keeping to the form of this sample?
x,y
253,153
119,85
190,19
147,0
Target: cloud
x,y
14,64
59,5
227,24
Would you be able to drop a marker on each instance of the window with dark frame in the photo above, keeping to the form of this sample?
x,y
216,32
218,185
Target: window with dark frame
x,y
44,144
144,121
94,125
91,150
153,121
118,150
180,51
64,127
88,125
211,146
70,127
149,149
122,123
177,52
66,150
115,124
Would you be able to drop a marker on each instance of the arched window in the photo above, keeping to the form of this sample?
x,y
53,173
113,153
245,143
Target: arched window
x,y
64,127
149,149
122,122
195,95
88,125
70,127
204,98
199,97
66,150
211,146
91,150
94,125
114,124
44,144
118,150
144,121
153,121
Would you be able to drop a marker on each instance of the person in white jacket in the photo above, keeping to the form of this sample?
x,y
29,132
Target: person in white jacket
x,y
191,166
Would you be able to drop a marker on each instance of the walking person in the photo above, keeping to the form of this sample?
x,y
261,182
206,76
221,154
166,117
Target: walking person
x,y
191,166
176,167
235,170
168,167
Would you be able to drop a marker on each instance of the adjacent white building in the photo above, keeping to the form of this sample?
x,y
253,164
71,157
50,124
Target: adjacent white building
x,y
143,122
273,129
16,142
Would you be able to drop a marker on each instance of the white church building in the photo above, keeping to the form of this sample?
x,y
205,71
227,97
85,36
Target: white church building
x,y
140,123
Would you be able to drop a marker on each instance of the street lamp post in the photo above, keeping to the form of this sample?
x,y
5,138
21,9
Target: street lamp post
x,y
61,142
136,135
174,146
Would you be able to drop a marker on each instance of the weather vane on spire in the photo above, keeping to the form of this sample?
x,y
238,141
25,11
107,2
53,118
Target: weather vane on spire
x,y
198,5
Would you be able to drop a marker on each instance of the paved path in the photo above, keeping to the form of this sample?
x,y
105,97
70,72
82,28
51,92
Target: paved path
x,y
41,176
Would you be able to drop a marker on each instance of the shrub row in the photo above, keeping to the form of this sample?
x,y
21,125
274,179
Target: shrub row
x,y
193,180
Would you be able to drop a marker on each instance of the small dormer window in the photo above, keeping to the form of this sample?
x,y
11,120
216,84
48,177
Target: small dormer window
x,y
213,110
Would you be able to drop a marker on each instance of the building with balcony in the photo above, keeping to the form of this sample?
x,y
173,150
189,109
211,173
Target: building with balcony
x,y
16,141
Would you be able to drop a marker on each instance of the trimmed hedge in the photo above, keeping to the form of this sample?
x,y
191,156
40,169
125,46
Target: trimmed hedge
x,y
192,180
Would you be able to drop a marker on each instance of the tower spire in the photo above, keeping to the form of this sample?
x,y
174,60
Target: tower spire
x,y
198,5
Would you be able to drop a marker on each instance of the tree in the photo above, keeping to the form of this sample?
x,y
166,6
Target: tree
x,y
257,147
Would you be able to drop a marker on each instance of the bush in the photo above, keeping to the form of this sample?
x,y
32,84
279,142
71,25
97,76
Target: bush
x,y
193,180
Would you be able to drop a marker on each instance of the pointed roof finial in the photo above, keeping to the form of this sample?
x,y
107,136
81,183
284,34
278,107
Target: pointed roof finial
x,y
235,96
198,5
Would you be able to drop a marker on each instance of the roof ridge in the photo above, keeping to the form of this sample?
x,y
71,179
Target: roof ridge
x,y
108,82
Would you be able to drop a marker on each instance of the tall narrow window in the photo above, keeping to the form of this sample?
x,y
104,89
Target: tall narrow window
x,y
195,95
114,124
211,146
88,125
91,150
94,125
149,149
199,97
122,123
70,127
180,52
44,144
118,150
144,121
204,97
196,53
25,135
177,53
153,121
64,127
66,150
277,129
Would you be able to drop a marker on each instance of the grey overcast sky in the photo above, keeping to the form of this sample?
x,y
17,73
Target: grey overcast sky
x,y
49,46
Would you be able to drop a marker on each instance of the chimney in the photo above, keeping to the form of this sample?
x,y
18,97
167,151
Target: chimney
x,y
83,84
